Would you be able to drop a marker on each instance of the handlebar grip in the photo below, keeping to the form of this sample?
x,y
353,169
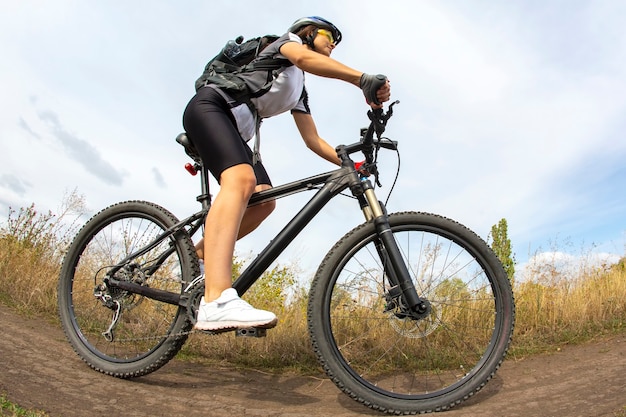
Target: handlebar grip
x,y
370,85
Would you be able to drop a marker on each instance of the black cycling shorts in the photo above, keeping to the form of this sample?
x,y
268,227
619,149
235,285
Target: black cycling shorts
x,y
212,129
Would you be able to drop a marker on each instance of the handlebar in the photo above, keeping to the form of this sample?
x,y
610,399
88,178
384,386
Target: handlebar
x,y
367,144
378,123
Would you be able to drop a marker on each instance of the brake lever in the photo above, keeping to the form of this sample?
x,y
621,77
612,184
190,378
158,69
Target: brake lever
x,y
379,118
390,111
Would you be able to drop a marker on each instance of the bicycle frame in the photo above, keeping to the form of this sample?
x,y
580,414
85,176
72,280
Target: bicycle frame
x,y
332,183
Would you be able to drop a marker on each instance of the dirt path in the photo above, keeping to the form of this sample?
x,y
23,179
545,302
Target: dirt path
x,y
38,369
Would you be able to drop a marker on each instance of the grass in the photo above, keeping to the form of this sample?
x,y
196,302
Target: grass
x,y
9,409
560,311
551,311
620,413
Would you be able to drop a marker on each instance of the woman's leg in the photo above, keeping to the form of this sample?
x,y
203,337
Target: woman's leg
x,y
221,308
222,228
211,127
252,218
255,215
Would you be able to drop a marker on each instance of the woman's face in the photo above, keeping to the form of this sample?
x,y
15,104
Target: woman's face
x,y
324,42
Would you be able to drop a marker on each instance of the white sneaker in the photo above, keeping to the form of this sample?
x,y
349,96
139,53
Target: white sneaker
x,y
231,312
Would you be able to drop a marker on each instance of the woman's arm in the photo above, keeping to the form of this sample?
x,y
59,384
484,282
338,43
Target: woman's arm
x,y
324,66
319,64
308,131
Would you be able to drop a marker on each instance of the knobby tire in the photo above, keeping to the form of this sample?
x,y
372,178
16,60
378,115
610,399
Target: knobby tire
x,y
395,364
149,333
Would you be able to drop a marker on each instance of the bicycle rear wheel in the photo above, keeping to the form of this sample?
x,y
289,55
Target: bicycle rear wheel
x,y
396,364
147,333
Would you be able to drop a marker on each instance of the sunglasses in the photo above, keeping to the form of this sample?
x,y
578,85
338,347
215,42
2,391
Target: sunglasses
x,y
326,33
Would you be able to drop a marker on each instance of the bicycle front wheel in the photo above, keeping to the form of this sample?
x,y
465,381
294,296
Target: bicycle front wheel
x,y
114,331
400,365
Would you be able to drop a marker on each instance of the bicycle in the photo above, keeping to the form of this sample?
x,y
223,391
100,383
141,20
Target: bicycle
x,y
408,313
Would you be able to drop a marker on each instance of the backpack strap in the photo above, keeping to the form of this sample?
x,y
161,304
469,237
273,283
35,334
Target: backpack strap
x,y
269,64
256,155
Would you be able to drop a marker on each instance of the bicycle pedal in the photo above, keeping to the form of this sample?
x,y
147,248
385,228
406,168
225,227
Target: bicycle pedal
x,y
215,332
251,332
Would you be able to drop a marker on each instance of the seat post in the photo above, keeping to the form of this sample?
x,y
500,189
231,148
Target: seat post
x,y
205,197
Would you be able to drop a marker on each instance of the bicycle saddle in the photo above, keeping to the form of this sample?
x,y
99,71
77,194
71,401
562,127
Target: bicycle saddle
x,y
190,149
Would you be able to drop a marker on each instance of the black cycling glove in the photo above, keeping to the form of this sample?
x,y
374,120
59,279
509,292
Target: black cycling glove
x,y
370,85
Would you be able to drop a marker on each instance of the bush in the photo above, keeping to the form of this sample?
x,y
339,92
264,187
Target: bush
x,y
32,246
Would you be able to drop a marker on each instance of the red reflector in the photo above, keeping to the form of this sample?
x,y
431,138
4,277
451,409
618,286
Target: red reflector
x,y
190,169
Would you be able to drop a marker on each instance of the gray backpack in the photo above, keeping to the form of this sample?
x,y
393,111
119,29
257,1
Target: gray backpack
x,y
235,58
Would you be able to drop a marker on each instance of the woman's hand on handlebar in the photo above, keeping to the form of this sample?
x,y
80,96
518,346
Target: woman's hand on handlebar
x,y
383,94
376,89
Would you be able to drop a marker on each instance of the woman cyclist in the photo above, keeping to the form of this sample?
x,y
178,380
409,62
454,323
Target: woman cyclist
x,y
219,127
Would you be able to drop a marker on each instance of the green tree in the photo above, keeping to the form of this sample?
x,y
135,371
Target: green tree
x,y
501,245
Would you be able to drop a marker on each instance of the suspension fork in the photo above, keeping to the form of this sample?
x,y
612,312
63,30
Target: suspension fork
x,y
389,252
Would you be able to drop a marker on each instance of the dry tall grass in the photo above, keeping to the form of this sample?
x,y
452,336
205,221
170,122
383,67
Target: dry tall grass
x,y
550,311
556,311
32,246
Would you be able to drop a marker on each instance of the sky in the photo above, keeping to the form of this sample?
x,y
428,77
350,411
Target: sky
x,y
510,110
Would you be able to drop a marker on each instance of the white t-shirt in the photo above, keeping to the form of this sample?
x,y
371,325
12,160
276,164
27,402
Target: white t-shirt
x,y
287,92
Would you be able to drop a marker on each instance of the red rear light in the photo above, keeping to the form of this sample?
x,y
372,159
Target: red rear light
x,y
190,168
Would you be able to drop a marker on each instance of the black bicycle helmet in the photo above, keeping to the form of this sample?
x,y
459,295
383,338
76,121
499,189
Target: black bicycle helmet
x,y
320,23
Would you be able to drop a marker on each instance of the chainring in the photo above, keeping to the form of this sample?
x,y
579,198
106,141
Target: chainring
x,y
193,293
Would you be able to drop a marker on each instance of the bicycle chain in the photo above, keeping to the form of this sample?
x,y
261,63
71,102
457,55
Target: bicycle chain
x,y
190,289
166,336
